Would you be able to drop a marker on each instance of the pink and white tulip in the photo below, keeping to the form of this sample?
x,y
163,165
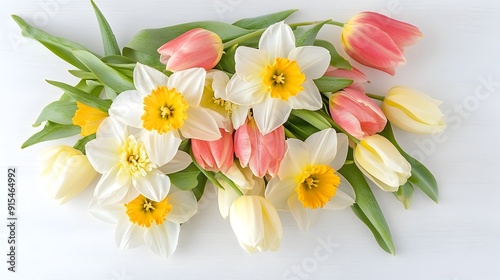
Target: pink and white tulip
x,y
356,113
358,78
214,155
262,153
378,41
196,48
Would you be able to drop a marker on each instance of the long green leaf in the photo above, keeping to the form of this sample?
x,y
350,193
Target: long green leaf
x,y
368,205
108,38
336,59
80,145
106,74
60,112
306,35
59,46
52,131
361,215
331,84
185,179
200,188
83,96
420,177
82,74
263,21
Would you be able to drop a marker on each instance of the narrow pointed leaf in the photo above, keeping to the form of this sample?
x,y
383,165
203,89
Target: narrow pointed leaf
x,y
106,74
420,177
83,96
336,59
80,145
331,84
85,75
108,38
380,240
367,204
306,35
263,21
313,118
52,131
60,112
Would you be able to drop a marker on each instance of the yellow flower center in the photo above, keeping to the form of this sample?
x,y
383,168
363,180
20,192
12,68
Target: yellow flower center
x,y
164,109
283,78
134,158
88,118
144,212
316,185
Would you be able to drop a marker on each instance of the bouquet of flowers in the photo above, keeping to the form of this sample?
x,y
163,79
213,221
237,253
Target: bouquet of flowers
x,y
264,111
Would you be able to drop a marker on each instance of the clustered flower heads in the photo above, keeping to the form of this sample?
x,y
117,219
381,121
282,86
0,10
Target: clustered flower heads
x,y
260,110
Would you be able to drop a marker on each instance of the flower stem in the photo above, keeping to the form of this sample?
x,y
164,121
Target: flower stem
x,y
375,96
231,183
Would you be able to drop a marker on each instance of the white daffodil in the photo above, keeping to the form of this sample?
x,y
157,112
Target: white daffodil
x,y
215,98
145,221
120,155
166,107
277,77
308,180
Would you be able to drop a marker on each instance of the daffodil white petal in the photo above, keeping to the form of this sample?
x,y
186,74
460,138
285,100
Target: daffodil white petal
x,y
239,116
296,158
278,192
304,216
180,161
155,185
278,40
103,154
189,83
271,113
128,108
184,206
246,221
250,62
219,82
245,93
161,148
162,239
344,196
322,146
313,61
147,79
112,128
110,213
110,183
127,234
309,98
200,124
342,149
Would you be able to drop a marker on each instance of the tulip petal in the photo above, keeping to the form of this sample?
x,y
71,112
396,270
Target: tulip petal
x,y
184,206
225,198
354,74
127,234
250,62
271,113
309,98
189,83
128,108
304,216
161,148
278,40
180,162
146,79
278,192
313,61
245,93
192,127
162,239
296,158
245,217
155,185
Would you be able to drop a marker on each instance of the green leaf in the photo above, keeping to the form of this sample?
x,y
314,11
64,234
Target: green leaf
x,y
420,177
83,97
405,194
227,62
200,188
186,179
361,215
367,204
331,84
336,59
146,42
59,46
138,56
106,74
312,118
263,21
80,145
60,112
108,38
85,75
52,131
306,35
118,59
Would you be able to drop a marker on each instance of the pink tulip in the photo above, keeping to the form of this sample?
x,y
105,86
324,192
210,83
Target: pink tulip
x,y
378,41
214,155
196,48
357,77
356,113
262,153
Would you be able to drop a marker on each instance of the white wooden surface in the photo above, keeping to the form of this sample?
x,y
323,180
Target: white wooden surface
x,y
459,238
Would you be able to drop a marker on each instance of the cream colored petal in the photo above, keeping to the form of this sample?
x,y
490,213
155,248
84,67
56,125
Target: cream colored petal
x,y
271,113
128,235
278,192
184,206
305,217
278,40
189,83
147,79
313,61
162,239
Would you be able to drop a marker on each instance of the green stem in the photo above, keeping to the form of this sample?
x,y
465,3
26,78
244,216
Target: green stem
x,y
231,183
289,134
375,96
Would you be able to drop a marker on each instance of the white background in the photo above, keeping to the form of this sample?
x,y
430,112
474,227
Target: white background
x,y
458,62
